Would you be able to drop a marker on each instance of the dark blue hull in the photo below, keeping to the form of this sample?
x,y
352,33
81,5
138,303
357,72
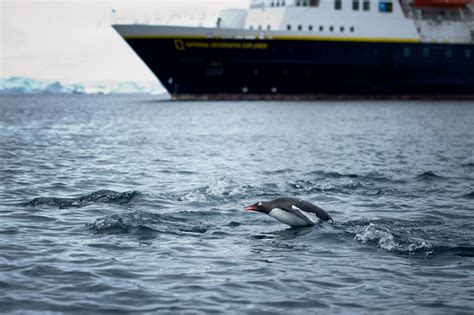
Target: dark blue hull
x,y
210,67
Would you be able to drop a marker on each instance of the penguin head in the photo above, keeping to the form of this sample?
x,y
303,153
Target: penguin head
x,y
259,207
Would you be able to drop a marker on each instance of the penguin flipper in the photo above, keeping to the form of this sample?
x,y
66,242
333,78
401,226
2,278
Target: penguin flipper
x,y
294,210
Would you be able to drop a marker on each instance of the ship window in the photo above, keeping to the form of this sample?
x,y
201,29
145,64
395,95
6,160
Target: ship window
x,y
341,29
272,4
310,28
366,5
300,27
338,4
259,27
385,6
305,3
468,53
426,52
297,3
313,3
288,27
321,28
331,28
269,27
251,27
449,53
283,3
407,52
352,29
355,5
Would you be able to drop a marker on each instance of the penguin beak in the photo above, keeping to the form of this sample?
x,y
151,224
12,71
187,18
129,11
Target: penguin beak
x,y
251,208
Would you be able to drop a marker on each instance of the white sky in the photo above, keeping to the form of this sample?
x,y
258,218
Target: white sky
x,y
72,41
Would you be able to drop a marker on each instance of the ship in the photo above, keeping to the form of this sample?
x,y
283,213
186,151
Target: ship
x,y
303,49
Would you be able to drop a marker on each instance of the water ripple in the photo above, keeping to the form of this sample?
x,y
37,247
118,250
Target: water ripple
x,y
169,234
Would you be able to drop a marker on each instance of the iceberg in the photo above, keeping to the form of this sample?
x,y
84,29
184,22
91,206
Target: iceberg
x,y
22,85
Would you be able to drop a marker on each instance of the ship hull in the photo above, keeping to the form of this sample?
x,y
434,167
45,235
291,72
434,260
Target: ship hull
x,y
199,67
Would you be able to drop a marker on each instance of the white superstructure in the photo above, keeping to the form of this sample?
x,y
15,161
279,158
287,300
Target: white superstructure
x,y
364,19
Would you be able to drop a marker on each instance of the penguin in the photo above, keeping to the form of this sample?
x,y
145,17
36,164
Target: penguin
x,y
291,211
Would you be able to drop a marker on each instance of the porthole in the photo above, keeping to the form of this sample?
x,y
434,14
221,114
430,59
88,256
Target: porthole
x,y
426,52
407,52
468,53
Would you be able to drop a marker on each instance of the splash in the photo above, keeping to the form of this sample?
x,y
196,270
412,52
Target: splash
x,y
385,239
220,189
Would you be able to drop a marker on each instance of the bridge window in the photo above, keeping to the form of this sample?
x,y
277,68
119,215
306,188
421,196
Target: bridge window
x,y
366,5
338,4
355,5
385,6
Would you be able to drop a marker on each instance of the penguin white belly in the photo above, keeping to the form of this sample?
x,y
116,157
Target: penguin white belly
x,y
288,218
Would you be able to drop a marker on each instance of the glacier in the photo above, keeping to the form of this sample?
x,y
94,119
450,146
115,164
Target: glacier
x,y
23,85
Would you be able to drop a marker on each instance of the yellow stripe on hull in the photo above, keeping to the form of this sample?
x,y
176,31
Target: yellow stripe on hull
x,y
284,38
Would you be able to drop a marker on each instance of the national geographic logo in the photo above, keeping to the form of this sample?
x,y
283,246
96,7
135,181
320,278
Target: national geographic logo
x,y
182,45
179,44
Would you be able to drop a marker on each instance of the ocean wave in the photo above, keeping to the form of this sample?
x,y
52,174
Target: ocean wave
x,y
428,176
140,222
369,177
345,187
469,195
101,196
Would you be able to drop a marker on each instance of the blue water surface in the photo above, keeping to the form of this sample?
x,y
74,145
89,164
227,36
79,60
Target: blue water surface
x,y
125,204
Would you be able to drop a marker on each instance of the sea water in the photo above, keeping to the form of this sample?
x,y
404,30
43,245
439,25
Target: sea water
x,y
127,204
